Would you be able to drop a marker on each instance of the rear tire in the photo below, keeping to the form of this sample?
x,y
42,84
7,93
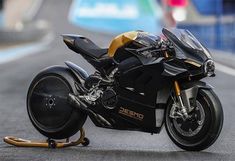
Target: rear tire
x,y
47,105
196,139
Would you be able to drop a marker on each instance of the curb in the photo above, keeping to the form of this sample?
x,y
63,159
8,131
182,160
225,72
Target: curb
x,y
13,53
28,30
31,36
31,32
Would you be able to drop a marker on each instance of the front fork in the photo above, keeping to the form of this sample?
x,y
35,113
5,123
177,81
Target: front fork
x,y
178,96
183,110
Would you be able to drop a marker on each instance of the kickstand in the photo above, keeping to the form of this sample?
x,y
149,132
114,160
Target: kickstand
x,y
47,144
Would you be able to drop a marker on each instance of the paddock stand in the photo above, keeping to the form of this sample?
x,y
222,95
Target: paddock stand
x,y
50,143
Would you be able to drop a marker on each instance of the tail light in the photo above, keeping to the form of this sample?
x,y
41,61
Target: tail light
x,y
177,3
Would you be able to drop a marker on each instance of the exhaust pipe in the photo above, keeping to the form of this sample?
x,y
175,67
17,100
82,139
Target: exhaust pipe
x,y
77,103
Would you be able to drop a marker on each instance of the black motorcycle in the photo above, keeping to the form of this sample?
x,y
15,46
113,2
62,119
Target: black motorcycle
x,y
141,82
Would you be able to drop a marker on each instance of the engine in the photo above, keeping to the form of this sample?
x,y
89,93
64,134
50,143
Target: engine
x,y
109,98
100,91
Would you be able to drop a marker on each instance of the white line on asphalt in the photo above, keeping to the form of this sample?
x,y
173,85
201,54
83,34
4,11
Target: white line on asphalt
x,y
14,53
225,69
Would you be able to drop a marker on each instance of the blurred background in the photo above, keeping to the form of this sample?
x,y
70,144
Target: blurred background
x,y
212,21
30,41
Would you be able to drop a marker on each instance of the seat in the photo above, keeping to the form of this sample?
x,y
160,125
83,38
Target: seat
x,y
83,45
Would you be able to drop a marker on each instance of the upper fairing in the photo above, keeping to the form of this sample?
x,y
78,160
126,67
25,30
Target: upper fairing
x,y
141,38
187,46
121,40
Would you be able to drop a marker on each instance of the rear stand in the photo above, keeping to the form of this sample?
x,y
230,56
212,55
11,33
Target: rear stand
x,y
50,143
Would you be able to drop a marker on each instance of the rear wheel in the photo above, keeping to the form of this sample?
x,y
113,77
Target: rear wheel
x,y
47,105
202,128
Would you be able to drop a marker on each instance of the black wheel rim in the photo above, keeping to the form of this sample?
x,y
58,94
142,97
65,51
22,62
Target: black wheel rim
x,y
190,140
48,104
193,125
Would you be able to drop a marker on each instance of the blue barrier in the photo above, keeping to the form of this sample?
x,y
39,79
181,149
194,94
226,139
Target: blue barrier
x,y
205,7
206,33
117,16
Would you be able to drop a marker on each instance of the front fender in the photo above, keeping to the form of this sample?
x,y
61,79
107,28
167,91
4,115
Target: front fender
x,y
189,91
196,84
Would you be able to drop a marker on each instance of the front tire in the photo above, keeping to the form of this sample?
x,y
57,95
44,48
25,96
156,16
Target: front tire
x,y
199,133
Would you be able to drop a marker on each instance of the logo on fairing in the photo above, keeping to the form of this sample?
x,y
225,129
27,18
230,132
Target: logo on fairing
x,y
132,114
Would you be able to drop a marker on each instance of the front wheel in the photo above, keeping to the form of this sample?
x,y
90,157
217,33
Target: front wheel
x,y
204,126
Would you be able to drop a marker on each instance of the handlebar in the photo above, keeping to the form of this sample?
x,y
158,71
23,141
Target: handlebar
x,y
156,50
145,48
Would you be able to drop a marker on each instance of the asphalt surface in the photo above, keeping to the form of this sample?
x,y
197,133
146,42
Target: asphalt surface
x,y
105,144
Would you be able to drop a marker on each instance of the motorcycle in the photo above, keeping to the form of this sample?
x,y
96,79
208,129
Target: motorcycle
x,y
141,82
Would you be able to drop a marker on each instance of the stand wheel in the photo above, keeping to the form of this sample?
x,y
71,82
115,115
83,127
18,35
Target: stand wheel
x,y
51,144
86,142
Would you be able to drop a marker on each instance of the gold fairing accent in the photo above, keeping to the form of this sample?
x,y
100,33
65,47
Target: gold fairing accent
x,y
121,40
192,63
166,54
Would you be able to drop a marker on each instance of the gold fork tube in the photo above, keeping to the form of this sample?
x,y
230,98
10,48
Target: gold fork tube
x,y
177,88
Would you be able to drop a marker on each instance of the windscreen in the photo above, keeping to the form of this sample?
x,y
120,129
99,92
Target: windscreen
x,y
147,39
186,41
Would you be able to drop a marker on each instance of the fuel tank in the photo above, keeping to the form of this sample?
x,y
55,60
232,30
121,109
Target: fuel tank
x,y
121,45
